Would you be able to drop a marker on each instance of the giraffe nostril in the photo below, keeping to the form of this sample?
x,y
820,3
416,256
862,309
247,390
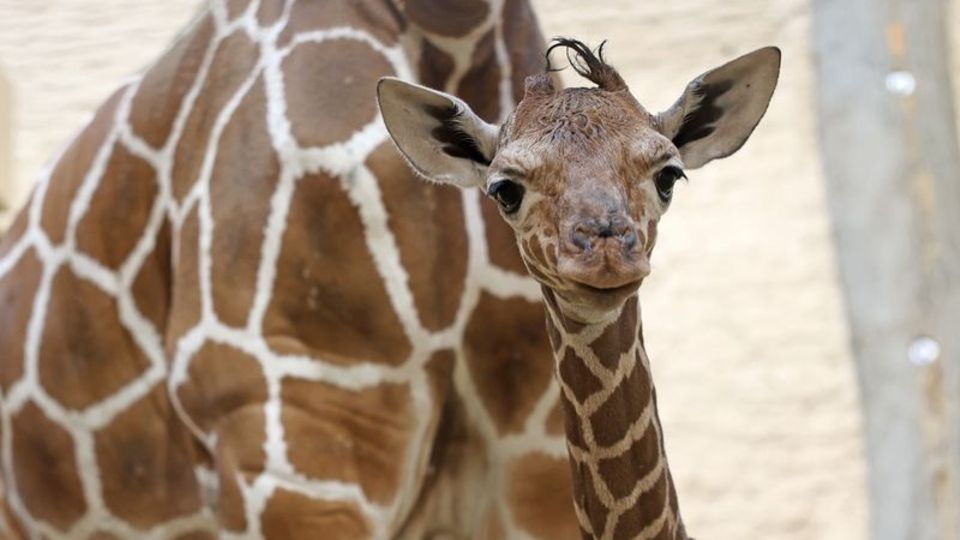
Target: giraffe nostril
x,y
630,240
581,240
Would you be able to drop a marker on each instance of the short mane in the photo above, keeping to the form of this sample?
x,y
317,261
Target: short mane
x,y
588,64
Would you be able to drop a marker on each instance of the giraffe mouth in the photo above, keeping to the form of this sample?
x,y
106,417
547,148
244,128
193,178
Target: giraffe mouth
x,y
607,276
617,290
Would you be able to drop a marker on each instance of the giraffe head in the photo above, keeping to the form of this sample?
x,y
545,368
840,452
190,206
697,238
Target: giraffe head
x,y
582,175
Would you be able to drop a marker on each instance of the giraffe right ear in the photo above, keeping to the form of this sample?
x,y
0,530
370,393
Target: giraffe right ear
x,y
439,135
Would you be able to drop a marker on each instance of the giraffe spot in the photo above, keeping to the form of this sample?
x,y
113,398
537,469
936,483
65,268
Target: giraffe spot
x,y
231,512
447,18
292,515
574,372
447,424
435,66
649,506
536,254
456,438
378,19
501,240
616,339
524,43
235,8
44,466
591,503
17,291
355,436
152,287
145,458
428,224
240,193
239,457
573,422
86,353
185,304
328,97
119,209
508,358
624,406
72,167
638,460
222,381
480,85
540,495
224,396
270,11
166,84
329,299
233,62
458,466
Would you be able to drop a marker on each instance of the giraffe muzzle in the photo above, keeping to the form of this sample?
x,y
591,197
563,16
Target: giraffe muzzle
x,y
604,255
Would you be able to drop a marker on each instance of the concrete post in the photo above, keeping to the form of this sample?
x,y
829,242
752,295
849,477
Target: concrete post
x,y
890,149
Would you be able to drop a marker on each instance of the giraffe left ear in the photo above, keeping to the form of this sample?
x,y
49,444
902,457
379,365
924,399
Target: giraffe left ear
x,y
719,109
439,135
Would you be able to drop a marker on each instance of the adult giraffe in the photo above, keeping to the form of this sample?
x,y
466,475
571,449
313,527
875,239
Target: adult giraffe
x,y
229,308
583,176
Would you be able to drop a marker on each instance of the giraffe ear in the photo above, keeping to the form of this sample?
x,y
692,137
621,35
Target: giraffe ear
x,y
439,135
719,109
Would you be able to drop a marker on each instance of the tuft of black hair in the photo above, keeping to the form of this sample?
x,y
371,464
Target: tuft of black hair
x,y
587,63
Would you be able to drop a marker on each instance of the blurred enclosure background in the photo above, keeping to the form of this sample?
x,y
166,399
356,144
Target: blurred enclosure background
x,y
745,318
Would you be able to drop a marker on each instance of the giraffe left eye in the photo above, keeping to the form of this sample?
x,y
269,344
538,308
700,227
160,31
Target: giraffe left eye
x,y
508,194
665,180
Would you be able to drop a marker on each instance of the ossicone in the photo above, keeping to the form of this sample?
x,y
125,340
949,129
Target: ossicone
x,y
539,84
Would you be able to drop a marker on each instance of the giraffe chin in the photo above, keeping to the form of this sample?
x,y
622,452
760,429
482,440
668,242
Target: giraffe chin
x,y
588,304
589,298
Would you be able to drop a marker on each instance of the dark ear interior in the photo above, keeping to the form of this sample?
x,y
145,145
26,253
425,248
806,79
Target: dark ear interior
x,y
439,135
701,121
719,109
450,134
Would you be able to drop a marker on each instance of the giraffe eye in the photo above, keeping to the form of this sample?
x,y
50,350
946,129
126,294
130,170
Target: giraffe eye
x,y
508,195
665,180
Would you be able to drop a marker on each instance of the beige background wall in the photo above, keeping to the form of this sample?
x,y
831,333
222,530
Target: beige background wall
x,y
744,320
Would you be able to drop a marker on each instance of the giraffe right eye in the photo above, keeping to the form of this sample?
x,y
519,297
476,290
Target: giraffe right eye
x,y
508,195
665,180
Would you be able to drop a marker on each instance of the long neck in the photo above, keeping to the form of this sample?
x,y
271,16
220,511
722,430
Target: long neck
x,y
621,482
479,50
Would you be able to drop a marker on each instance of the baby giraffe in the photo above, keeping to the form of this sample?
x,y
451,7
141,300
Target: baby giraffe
x,y
583,175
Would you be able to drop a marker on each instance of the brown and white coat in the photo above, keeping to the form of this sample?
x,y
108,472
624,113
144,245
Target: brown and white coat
x,y
229,309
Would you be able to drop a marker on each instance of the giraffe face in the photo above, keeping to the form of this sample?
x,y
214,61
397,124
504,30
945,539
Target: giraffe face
x,y
582,175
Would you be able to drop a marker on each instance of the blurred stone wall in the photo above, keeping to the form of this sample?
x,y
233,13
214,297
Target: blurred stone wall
x,y
63,58
744,319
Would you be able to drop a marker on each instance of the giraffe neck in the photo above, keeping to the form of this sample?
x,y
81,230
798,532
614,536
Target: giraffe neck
x,y
478,50
622,483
